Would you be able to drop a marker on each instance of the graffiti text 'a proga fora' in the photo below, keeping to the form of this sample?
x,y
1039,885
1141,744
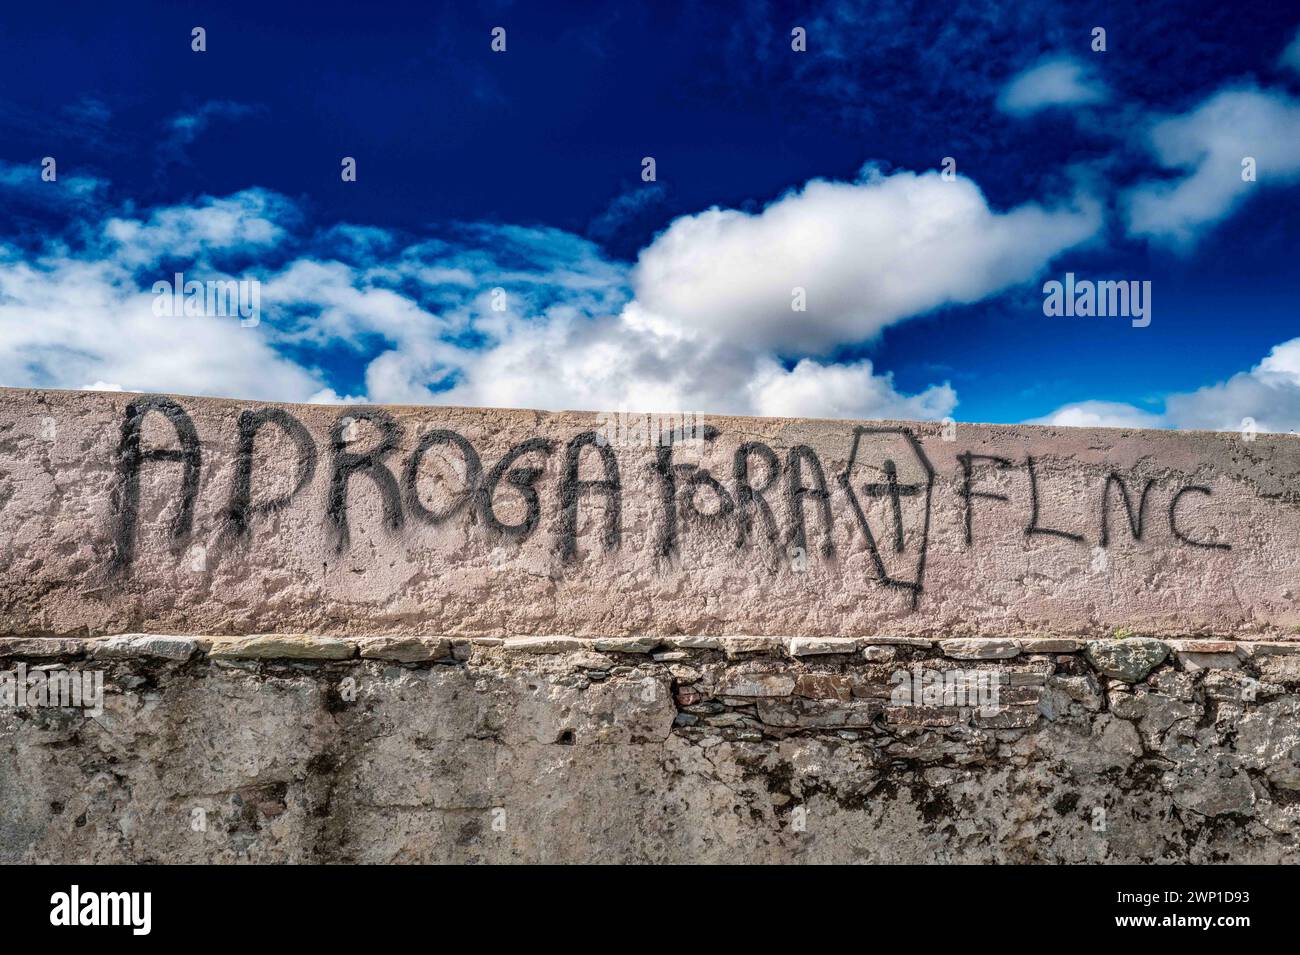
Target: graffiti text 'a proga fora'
x,y
786,499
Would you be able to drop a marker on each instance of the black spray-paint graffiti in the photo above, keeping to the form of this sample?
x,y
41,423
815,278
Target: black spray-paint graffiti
x,y
131,459
884,464
240,513
890,488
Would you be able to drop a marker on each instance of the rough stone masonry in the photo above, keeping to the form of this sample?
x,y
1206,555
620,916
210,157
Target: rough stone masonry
x,y
448,634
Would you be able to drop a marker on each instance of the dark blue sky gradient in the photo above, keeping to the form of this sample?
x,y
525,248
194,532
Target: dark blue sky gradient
x,y
553,132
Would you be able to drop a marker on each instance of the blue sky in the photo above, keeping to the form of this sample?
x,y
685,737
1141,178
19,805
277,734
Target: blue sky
x,y
775,169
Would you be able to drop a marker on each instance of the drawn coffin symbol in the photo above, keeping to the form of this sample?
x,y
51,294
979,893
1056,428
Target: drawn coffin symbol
x,y
889,478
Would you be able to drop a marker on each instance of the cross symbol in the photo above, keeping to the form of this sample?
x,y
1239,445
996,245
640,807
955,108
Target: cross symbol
x,y
894,491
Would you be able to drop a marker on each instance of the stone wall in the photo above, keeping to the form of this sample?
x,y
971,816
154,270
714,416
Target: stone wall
x,y
433,634
281,748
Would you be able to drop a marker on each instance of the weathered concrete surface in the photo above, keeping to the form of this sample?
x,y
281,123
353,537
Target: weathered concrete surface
x,y
81,553
672,755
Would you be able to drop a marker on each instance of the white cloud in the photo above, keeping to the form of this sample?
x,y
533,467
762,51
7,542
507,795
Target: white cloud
x,y
67,323
867,253
1100,414
712,306
328,396
699,324
249,221
77,316
417,321
1059,81
184,128
320,303
1291,55
1207,145
1269,394
635,361
24,182
624,208
815,390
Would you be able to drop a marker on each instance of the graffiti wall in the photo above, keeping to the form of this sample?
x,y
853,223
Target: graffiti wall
x,y
127,512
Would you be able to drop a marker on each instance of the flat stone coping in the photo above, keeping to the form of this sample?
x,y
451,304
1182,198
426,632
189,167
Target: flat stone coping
x,y
1115,657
